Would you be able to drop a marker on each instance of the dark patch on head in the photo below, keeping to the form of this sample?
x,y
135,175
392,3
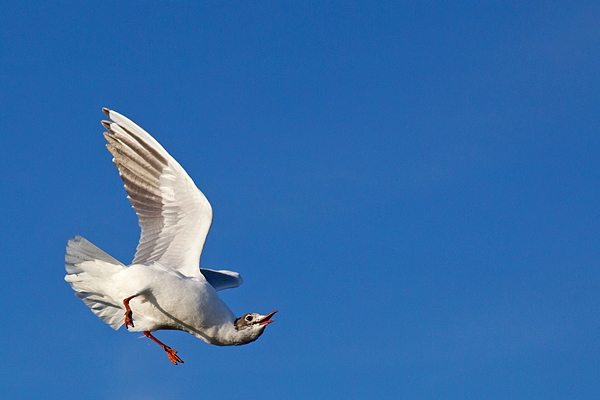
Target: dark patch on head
x,y
245,321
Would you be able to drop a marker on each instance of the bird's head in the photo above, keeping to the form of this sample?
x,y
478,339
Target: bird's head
x,y
250,326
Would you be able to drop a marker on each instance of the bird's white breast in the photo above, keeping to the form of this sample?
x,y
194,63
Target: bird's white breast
x,y
169,300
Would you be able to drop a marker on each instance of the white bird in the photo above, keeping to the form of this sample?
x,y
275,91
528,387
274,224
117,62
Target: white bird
x,y
163,288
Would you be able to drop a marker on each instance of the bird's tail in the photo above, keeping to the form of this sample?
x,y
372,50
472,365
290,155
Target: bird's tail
x,y
88,271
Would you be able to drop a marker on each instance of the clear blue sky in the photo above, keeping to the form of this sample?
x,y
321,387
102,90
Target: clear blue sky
x,y
415,187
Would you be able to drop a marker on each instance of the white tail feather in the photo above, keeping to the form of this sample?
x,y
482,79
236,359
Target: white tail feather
x,y
88,271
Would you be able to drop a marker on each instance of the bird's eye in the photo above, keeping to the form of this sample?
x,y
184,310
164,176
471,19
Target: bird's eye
x,y
249,318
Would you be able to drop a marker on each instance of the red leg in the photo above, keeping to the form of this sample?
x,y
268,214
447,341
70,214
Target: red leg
x,y
172,354
128,312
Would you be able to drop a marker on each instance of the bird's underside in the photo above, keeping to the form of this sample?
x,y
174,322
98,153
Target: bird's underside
x,y
171,353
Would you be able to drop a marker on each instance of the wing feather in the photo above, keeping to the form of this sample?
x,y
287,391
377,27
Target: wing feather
x,y
173,214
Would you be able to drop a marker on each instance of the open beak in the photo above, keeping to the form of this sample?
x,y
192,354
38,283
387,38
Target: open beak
x,y
267,318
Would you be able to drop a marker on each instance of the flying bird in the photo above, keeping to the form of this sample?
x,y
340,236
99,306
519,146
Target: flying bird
x,y
164,287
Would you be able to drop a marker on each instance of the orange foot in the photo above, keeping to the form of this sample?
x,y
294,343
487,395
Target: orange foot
x,y
128,312
172,354
128,320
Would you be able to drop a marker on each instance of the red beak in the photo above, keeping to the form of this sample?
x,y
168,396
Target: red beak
x,y
267,318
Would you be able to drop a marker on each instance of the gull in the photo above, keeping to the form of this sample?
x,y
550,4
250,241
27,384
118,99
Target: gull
x,y
164,287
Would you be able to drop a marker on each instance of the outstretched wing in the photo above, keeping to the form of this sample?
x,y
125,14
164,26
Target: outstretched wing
x,y
174,215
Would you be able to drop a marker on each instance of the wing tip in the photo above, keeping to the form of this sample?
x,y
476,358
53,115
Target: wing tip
x,y
106,111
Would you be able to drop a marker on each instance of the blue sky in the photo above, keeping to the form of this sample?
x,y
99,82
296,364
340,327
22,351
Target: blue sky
x,y
415,187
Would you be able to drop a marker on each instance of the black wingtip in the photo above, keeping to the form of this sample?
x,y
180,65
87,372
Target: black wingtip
x,y
106,111
106,124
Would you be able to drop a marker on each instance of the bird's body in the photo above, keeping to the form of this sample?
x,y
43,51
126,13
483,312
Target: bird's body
x,y
163,288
